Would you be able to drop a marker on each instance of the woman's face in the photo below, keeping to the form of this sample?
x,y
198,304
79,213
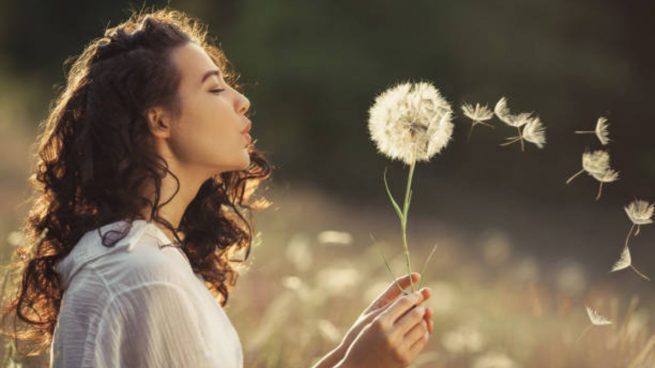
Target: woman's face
x,y
211,131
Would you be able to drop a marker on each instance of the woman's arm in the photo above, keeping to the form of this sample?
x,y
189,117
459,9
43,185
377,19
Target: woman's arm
x,y
331,359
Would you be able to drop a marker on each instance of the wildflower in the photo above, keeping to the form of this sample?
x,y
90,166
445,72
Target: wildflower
x,y
494,360
335,237
625,261
596,319
478,115
640,213
464,339
597,165
601,131
533,130
409,122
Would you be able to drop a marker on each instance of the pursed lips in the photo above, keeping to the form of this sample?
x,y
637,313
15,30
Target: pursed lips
x,y
246,131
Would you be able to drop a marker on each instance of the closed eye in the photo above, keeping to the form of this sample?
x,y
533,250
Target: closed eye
x,y
217,91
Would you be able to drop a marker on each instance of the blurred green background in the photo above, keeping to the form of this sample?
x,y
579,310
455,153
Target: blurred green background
x,y
313,68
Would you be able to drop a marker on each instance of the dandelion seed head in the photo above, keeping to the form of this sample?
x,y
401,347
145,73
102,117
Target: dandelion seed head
x,y
640,212
535,132
410,122
597,319
596,161
602,131
478,113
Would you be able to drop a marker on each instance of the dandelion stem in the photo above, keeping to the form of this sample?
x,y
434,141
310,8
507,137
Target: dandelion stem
x,y
584,332
574,176
627,238
468,138
600,190
521,138
639,272
512,140
403,222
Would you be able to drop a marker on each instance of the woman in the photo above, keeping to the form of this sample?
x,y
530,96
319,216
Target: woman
x,y
144,168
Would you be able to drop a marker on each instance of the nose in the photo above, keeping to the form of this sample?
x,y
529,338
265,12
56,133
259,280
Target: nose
x,y
243,104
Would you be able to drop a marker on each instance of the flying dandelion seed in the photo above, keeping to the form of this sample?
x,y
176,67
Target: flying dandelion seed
x,y
625,261
640,213
533,130
478,115
597,165
601,131
596,319
606,176
409,122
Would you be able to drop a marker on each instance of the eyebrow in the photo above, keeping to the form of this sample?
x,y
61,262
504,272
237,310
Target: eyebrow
x,y
209,74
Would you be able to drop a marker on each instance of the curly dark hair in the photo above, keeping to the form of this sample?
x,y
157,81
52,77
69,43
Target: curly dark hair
x,y
96,151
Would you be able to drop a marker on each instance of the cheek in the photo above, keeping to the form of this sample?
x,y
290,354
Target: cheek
x,y
206,140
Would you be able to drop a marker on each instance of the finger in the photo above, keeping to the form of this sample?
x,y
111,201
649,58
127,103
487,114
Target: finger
x,y
393,290
368,317
416,348
417,332
410,319
400,306
428,318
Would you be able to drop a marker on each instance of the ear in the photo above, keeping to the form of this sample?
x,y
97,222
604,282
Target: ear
x,y
158,122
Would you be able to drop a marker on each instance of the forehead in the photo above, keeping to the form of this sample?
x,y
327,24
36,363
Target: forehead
x,y
192,62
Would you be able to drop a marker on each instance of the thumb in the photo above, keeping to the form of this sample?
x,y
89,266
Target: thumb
x,y
393,290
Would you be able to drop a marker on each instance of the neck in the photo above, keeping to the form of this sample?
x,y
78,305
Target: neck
x,y
190,180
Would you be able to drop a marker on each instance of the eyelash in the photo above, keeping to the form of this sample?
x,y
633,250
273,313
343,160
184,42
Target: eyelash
x,y
217,91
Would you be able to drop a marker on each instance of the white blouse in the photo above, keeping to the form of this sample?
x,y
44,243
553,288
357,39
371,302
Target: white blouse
x,y
138,305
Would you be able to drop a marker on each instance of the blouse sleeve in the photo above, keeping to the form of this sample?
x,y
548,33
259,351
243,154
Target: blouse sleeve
x,y
151,325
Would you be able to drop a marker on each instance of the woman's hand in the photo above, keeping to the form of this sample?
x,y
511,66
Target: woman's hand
x,y
381,303
376,307
394,337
